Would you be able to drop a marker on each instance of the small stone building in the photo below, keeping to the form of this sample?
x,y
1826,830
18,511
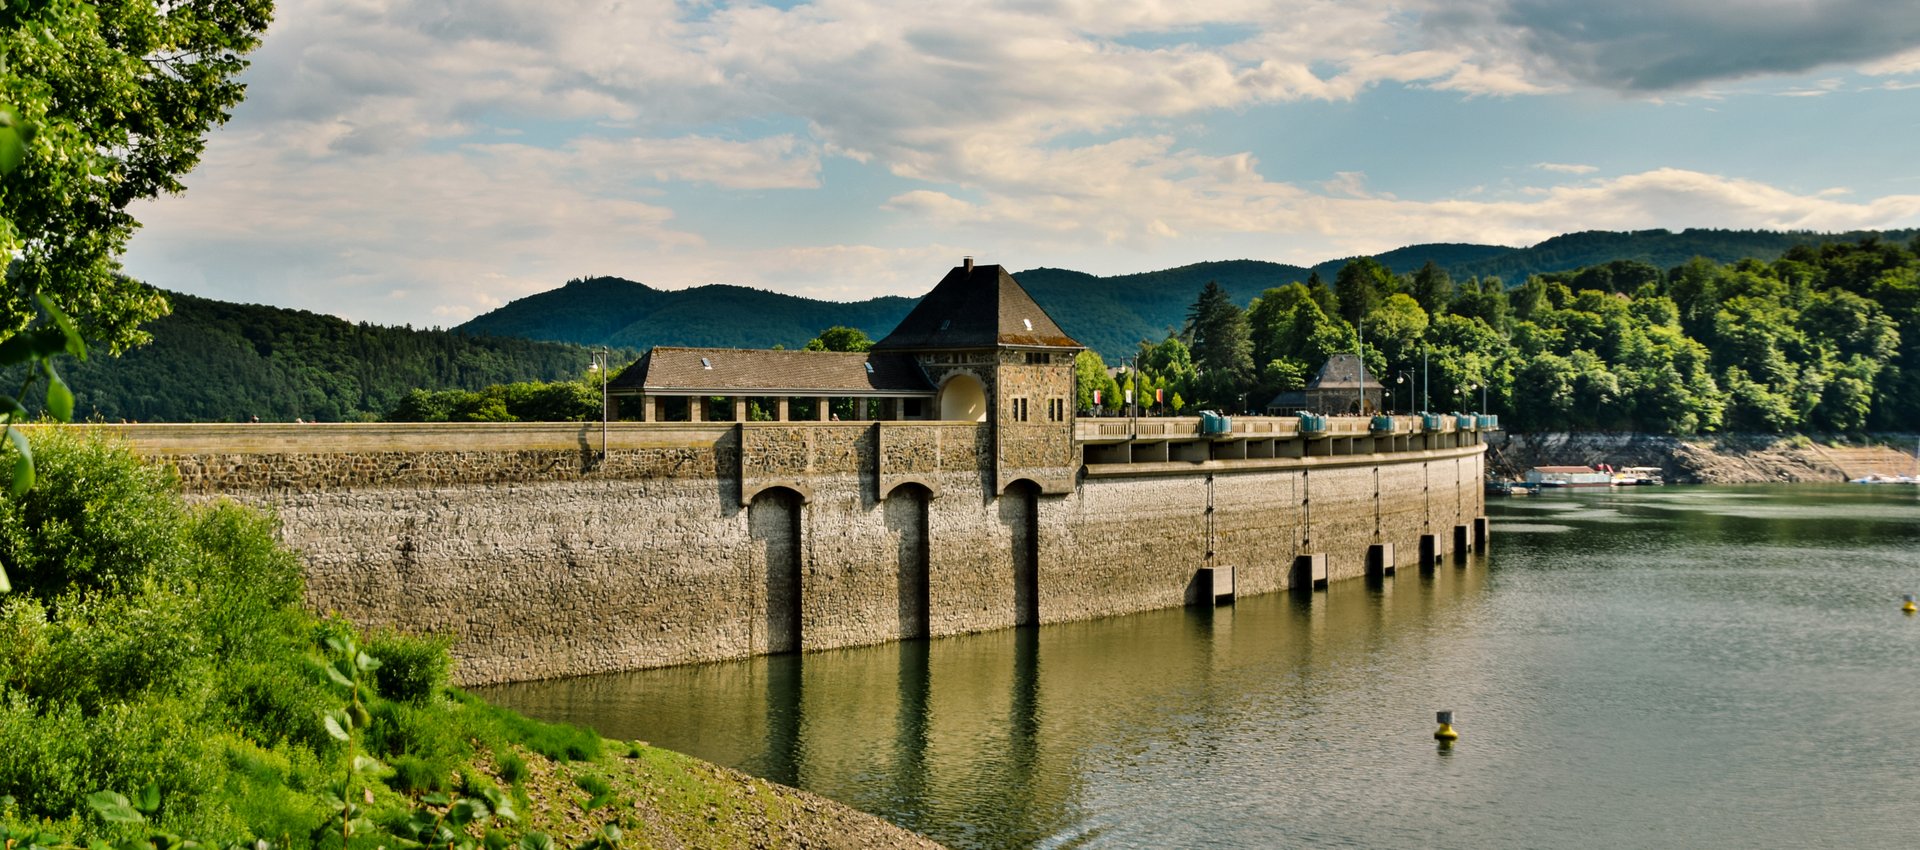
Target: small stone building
x,y
977,348
1343,388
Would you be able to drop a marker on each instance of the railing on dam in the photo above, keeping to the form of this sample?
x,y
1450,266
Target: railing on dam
x,y
1121,429
1174,445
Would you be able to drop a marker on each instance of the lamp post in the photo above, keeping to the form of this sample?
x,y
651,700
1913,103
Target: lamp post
x,y
1399,380
599,364
1426,380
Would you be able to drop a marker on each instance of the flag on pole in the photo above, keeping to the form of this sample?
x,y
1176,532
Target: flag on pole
x,y
1096,397
1159,396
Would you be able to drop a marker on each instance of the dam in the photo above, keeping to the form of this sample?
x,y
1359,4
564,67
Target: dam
x,y
970,497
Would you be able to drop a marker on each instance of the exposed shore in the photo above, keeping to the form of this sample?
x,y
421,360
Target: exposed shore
x,y
1718,459
662,798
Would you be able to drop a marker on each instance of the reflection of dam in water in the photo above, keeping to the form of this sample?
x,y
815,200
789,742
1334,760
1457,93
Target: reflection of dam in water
x,y
1608,671
984,740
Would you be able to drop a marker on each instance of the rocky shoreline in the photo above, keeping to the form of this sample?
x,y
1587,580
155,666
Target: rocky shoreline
x,y
1717,459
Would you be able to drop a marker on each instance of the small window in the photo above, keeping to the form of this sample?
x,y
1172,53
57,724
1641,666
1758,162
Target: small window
x,y
705,363
1028,323
946,323
869,368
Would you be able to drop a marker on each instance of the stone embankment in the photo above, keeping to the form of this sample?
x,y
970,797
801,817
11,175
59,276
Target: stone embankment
x,y
1719,459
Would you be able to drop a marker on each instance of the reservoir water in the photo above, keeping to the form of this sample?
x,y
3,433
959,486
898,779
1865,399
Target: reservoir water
x,y
1656,667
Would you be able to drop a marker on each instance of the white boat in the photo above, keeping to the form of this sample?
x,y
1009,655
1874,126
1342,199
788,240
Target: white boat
x,y
1639,476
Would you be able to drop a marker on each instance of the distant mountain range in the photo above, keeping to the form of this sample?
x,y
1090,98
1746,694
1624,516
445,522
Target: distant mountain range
x,y
1108,314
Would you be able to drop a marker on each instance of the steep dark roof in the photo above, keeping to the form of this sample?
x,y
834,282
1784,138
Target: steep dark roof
x,y
1342,372
976,307
747,371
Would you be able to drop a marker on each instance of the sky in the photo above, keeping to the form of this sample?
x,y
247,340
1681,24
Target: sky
x,y
424,161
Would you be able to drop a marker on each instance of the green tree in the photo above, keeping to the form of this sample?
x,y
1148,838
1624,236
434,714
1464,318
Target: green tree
x,y
1432,287
1361,284
1090,374
840,338
1396,328
122,95
1222,348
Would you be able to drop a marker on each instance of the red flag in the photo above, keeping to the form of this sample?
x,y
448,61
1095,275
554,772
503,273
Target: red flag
x,y
1159,396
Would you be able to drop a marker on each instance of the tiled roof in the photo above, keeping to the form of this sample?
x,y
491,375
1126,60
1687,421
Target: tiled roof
x,y
735,371
1342,372
976,307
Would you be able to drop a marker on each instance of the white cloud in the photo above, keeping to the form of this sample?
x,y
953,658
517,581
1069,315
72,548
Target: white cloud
x,y
412,159
1903,63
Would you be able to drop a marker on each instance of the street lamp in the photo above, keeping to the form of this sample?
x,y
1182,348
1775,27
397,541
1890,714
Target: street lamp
x,y
1398,381
599,364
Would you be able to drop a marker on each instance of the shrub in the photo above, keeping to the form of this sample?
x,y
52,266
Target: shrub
x,y
112,647
413,668
97,518
248,585
274,701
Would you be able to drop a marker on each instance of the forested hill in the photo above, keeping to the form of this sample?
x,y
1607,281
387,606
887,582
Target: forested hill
x,y
212,361
1109,314
616,312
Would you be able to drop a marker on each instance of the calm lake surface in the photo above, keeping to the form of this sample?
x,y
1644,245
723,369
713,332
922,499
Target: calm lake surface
x,y
1654,667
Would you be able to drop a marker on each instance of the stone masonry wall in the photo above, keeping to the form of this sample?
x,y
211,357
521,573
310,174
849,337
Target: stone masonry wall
x,y
545,560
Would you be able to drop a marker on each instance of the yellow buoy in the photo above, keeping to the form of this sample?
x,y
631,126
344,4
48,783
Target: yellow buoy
x,y
1909,607
1445,732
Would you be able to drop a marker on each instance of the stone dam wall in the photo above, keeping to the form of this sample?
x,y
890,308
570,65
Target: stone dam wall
x,y
705,541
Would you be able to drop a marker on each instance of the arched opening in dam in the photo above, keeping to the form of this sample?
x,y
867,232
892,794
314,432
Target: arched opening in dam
x,y
963,398
906,518
773,521
1020,510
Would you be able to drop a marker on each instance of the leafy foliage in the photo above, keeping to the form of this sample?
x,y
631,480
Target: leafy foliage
x,y
121,94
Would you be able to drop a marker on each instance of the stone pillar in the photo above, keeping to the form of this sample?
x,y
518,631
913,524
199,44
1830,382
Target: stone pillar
x,y
739,408
822,408
780,410
696,408
1379,560
649,409
896,409
612,412
860,408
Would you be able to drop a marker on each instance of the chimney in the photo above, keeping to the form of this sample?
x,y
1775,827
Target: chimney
x,y
966,264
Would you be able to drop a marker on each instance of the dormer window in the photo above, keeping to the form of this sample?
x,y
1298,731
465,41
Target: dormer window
x,y
869,368
705,363
1028,323
946,323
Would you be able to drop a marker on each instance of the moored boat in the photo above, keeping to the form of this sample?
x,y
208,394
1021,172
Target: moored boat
x,y
1568,476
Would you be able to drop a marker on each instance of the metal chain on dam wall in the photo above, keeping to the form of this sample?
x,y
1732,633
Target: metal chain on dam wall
x,y
693,542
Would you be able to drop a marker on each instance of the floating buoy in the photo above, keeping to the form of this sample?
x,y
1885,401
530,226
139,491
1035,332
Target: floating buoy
x,y
1909,607
1445,732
